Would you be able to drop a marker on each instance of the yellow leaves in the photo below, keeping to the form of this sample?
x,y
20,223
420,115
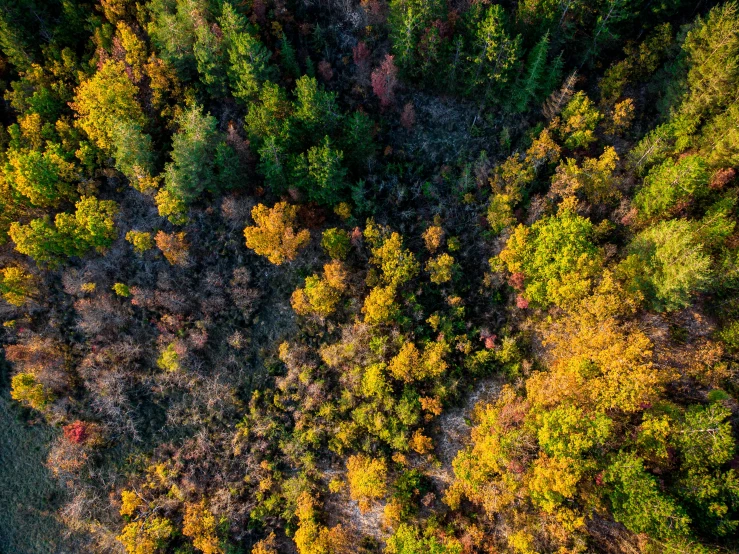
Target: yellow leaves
x,y
367,479
421,443
26,389
554,480
274,236
104,100
621,117
335,275
135,48
147,537
171,206
404,366
266,546
379,306
597,360
543,149
16,285
440,268
313,538
398,265
130,502
320,296
410,365
200,525
594,178
140,240
373,381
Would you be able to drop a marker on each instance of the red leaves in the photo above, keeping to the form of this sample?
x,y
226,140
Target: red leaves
x,y
76,432
384,81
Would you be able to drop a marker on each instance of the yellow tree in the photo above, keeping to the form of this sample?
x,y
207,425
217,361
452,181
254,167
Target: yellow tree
x,y
367,479
274,235
201,526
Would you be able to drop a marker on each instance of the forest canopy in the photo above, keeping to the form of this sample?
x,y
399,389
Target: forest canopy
x,y
364,276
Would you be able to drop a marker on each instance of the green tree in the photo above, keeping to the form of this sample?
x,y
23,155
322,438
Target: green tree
x,y
638,503
249,59
667,264
44,178
91,226
539,78
494,54
555,256
320,174
670,183
201,161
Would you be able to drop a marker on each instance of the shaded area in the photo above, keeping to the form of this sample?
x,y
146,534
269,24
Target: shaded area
x,y
29,496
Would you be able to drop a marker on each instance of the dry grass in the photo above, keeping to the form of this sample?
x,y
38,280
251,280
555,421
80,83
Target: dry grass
x,y
28,495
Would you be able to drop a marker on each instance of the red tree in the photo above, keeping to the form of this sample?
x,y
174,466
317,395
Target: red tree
x,y
384,81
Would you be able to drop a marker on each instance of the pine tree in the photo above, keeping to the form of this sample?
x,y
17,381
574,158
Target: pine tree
x,y
249,59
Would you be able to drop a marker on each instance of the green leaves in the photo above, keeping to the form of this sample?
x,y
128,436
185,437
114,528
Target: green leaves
x,y
671,183
667,264
91,226
201,161
555,257
638,503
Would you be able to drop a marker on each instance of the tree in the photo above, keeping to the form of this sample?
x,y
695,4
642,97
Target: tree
x,y
273,235
411,365
249,59
94,223
384,81
320,174
113,119
712,46
44,178
148,536
140,240
555,256
432,237
398,264
315,110
379,305
25,388
201,526
313,538
539,78
638,503
667,264
200,161
579,120
367,479
91,226
174,246
440,268
670,183
594,178
317,297
407,540
494,54
336,243
17,286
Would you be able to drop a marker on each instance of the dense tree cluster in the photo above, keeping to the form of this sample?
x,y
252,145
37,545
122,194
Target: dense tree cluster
x,y
401,276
